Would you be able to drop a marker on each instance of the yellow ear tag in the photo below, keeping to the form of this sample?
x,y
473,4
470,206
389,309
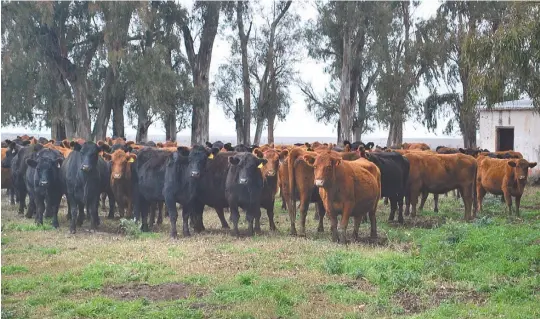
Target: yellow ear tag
x,y
211,156
131,160
260,165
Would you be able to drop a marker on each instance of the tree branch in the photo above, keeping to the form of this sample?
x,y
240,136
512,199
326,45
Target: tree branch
x,y
188,42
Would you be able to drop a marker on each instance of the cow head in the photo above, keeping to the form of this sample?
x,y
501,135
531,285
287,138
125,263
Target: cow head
x,y
323,167
197,159
272,156
47,164
470,151
248,165
120,163
521,168
89,153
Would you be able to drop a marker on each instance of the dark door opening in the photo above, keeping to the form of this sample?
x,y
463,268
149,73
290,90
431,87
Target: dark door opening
x,y
505,139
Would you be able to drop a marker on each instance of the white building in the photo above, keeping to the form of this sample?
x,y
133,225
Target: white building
x,y
511,125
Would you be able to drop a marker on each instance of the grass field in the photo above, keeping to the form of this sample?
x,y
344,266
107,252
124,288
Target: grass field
x,y
436,267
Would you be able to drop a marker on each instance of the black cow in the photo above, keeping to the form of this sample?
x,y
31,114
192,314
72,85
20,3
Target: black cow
x,y
394,176
18,172
355,145
184,169
218,144
243,188
43,183
85,175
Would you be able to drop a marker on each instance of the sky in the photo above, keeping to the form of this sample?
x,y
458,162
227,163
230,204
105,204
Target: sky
x,y
309,71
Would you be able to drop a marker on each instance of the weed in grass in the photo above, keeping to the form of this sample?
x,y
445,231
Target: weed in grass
x,y
247,278
48,251
334,264
341,293
175,252
13,269
6,240
197,280
130,228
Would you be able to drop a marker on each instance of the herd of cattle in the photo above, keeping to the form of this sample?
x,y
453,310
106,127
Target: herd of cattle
x,y
348,180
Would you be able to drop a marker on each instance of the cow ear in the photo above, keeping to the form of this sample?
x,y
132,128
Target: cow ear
x,y
262,162
25,143
257,152
283,155
461,150
215,150
182,150
31,162
132,158
310,160
512,163
370,145
338,161
159,144
234,160
105,147
106,156
532,164
208,144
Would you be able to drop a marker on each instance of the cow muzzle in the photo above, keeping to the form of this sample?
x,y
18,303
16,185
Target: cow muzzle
x,y
117,176
195,174
522,177
319,182
243,181
43,183
85,168
271,173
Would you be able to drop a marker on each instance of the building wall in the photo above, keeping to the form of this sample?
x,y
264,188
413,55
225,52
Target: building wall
x,y
526,126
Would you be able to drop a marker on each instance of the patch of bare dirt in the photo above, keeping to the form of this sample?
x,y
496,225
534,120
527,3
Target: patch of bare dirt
x,y
167,291
414,303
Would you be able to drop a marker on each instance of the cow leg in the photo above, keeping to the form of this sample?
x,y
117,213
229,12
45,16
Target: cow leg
x,y
103,196
270,212
143,207
235,216
508,200
173,216
31,207
22,201
153,208
160,213
373,221
55,205
316,215
292,217
342,230
283,202
357,222
386,200
407,205
73,209
436,203
221,215
255,211
400,209
393,208
518,202
111,205
467,196
129,210
423,200
304,205
81,217
196,217
40,208
320,205
502,199
333,226
11,195
414,200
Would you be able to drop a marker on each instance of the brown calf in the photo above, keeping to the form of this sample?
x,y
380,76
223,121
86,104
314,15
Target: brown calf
x,y
502,177
347,188
121,180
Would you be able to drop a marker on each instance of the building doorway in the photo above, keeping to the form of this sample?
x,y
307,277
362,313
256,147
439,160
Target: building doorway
x,y
505,139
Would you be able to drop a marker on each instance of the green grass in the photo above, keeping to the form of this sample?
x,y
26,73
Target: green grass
x,y
440,267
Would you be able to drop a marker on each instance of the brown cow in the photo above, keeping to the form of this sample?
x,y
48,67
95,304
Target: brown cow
x,y
346,187
270,181
438,174
7,181
121,180
502,177
415,146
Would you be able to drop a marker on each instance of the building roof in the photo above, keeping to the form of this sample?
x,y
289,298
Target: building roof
x,y
524,104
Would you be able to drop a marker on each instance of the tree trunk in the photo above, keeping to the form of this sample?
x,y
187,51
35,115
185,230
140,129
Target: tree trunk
x,y
58,129
271,121
118,115
245,134
142,125
170,127
82,114
469,132
339,140
258,131
239,121
395,134
345,101
104,113
200,68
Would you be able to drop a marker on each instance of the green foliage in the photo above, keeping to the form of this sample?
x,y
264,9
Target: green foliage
x,y
13,269
130,228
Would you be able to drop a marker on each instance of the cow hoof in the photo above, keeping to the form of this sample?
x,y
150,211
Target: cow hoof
x,y
292,233
320,230
72,231
436,210
225,227
186,234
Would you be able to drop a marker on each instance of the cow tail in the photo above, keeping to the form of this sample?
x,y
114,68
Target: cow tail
x,y
474,208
